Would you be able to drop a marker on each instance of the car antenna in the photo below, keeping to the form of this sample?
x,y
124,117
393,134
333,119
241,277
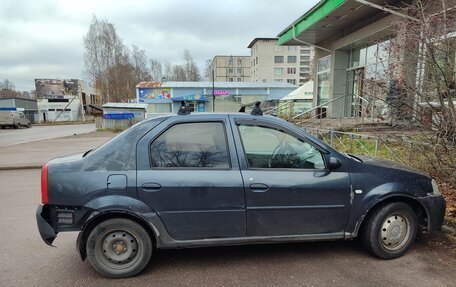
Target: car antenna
x,y
257,110
183,109
242,110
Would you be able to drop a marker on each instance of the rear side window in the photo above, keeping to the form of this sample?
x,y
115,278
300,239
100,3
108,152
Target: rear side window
x,y
191,145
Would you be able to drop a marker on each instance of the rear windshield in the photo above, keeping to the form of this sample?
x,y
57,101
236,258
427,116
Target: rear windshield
x,y
119,153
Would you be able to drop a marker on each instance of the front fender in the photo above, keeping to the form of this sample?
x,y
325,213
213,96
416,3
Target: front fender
x,y
363,203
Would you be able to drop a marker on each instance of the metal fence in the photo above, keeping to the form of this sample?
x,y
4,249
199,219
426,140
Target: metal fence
x,y
113,124
400,149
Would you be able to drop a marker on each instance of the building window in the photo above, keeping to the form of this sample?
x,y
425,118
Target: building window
x,y
305,51
239,70
291,71
291,81
230,61
256,59
230,80
278,59
191,145
291,48
239,79
239,62
230,70
291,59
278,71
264,80
51,110
67,110
278,80
305,58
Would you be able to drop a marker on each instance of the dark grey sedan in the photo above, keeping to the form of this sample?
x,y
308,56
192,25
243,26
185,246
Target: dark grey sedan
x,y
221,179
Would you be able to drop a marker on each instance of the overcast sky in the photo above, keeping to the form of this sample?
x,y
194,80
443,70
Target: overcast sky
x,y
43,39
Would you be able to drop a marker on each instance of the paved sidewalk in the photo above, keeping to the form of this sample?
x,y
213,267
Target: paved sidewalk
x,y
37,153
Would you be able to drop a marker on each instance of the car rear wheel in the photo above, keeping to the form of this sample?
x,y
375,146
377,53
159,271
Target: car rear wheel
x,y
390,230
119,248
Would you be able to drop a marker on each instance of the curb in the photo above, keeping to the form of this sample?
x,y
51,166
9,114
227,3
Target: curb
x,y
21,167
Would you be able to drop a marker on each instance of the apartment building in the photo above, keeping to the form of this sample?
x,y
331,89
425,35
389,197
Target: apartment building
x,y
231,68
273,63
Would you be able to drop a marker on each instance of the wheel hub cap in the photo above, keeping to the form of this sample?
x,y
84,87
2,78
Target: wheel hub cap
x,y
394,232
119,247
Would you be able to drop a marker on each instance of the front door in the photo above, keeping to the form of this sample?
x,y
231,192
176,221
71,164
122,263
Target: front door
x,y
289,190
188,176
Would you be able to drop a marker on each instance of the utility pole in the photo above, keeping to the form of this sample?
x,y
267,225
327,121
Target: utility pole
x,y
213,90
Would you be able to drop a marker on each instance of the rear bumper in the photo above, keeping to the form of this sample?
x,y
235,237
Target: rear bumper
x,y
47,232
435,208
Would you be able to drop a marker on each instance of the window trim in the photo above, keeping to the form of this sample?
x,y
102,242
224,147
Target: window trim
x,y
322,151
230,165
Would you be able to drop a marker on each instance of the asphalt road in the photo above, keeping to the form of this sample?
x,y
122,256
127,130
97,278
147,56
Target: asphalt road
x,y
10,137
26,261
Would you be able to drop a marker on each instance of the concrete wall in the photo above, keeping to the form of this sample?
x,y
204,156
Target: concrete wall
x,y
231,68
262,56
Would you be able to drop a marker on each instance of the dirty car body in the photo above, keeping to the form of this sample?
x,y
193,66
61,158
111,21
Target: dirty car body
x,y
221,179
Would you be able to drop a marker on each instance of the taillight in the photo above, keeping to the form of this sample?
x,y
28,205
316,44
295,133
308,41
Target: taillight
x,y
44,184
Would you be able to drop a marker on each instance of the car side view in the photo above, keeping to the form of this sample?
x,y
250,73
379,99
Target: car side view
x,y
212,179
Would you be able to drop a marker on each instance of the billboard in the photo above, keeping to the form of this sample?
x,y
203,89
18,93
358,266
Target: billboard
x,y
54,88
153,94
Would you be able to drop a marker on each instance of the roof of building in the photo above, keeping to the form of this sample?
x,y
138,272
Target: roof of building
x,y
125,105
304,92
260,39
331,17
218,85
234,56
18,98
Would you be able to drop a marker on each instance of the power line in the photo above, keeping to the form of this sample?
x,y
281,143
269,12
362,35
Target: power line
x,y
22,79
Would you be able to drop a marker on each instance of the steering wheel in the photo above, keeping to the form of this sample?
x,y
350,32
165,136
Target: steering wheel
x,y
281,149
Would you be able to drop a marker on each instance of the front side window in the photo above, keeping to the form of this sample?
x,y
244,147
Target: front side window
x,y
267,147
191,145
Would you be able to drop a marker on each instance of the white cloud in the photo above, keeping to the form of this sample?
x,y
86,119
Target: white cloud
x,y
40,39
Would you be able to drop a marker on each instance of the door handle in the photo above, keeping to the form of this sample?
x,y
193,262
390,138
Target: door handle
x,y
151,186
259,187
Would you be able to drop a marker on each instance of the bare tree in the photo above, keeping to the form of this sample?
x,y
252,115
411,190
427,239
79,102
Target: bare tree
x,y
415,79
208,70
191,69
156,70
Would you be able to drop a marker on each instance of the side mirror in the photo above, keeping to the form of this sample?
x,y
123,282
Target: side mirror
x,y
334,163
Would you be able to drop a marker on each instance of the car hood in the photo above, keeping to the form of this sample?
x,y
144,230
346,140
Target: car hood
x,y
388,164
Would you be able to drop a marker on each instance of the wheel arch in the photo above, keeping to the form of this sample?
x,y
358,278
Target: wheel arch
x,y
418,208
97,217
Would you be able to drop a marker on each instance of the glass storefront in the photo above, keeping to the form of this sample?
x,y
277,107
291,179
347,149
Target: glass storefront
x,y
323,66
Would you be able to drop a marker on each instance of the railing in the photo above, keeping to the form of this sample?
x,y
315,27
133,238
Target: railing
x,y
401,149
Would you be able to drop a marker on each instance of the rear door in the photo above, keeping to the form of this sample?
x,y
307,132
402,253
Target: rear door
x,y
189,174
289,190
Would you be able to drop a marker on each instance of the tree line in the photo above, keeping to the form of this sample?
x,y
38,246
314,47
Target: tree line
x,y
8,90
115,69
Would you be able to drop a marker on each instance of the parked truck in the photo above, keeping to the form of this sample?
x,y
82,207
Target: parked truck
x,y
13,119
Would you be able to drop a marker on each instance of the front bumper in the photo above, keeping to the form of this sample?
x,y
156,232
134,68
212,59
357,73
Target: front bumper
x,y
434,205
47,232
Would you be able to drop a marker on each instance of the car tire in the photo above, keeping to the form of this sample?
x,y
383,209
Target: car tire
x,y
119,248
16,126
390,230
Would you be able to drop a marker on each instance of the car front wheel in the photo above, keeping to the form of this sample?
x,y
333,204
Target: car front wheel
x,y
119,248
390,231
